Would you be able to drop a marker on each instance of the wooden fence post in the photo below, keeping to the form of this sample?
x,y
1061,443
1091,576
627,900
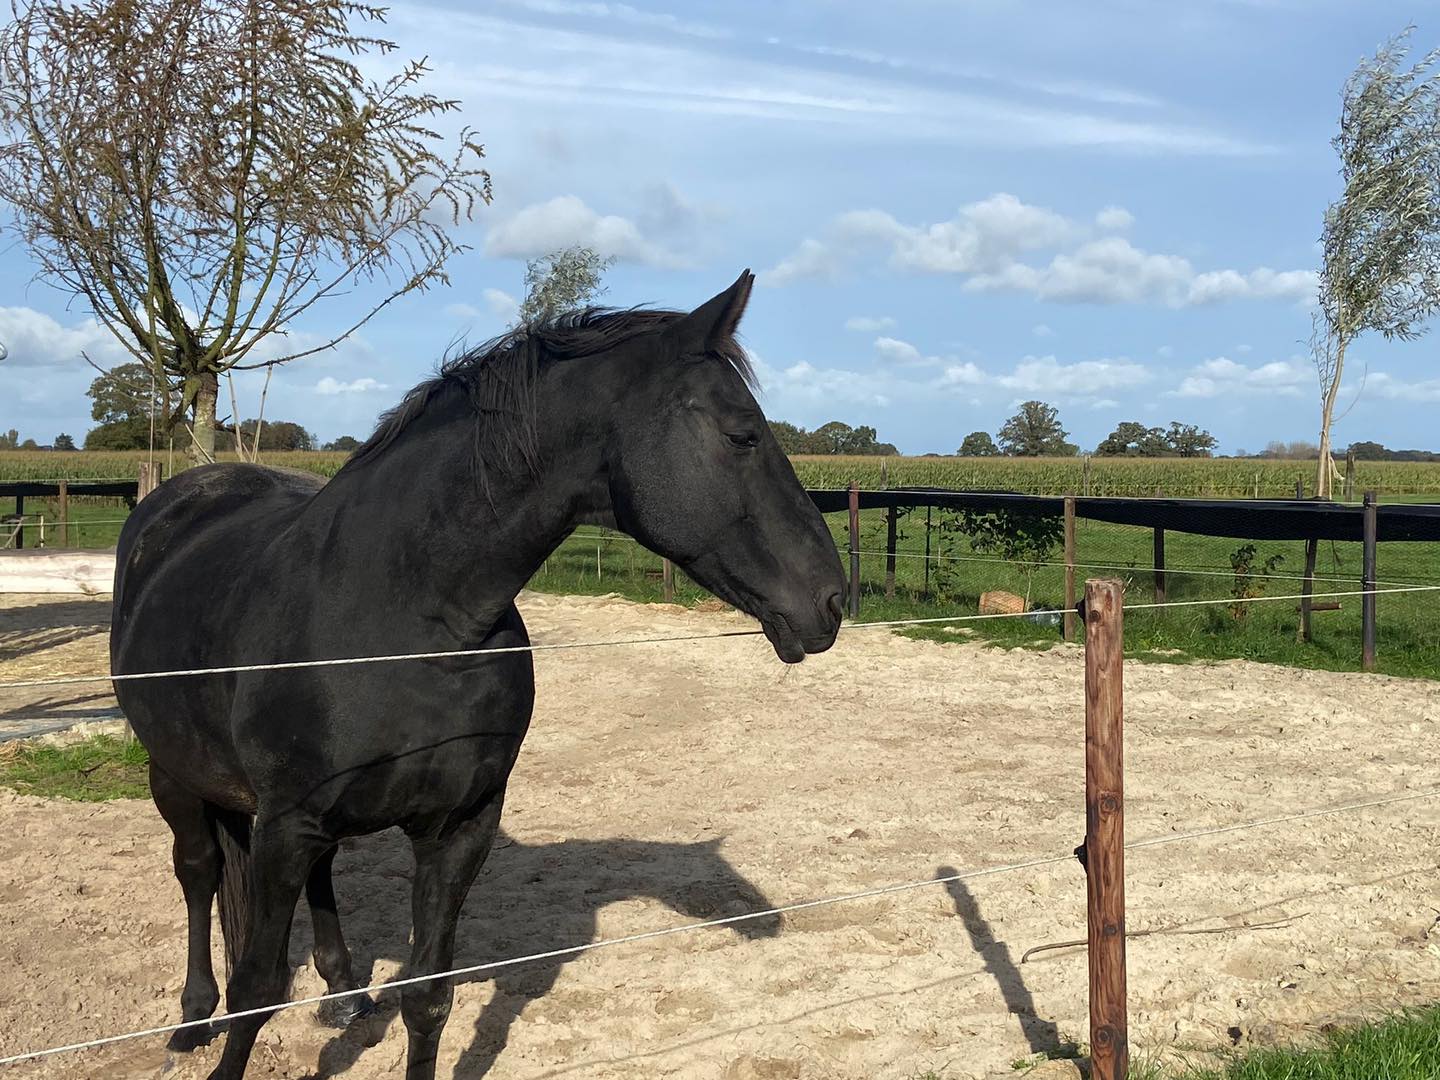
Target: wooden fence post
x,y
1312,549
1105,827
20,523
1349,475
64,514
890,528
147,479
927,552
1069,568
667,580
1367,602
854,550
1159,566
1300,487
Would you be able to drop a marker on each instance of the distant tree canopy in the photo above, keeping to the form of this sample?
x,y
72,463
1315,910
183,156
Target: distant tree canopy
x,y
832,438
64,442
123,403
1131,439
978,444
1035,431
1374,451
344,444
277,435
10,440
1299,450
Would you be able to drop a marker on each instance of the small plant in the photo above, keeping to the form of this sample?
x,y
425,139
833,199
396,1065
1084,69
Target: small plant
x,y
1249,582
1025,541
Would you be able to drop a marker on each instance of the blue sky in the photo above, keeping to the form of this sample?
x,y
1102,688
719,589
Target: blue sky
x,y
952,206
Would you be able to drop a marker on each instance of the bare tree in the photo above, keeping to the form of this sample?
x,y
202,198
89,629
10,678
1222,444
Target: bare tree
x,y
1381,238
203,172
561,281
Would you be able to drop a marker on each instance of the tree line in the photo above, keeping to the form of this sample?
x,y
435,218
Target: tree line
x,y
1035,431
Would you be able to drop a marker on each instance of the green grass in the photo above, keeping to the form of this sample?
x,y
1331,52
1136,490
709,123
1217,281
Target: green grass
x,y
1408,624
96,770
1405,1046
1199,567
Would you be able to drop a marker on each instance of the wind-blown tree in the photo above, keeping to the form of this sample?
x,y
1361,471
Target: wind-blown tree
x,y
562,281
1035,431
202,173
1381,240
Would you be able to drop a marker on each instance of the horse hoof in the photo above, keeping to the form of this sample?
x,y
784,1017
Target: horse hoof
x,y
192,1038
342,1012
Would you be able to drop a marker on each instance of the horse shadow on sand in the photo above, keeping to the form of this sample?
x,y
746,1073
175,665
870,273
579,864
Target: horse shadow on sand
x,y
530,898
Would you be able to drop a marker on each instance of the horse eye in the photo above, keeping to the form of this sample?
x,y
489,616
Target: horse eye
x,y
745,440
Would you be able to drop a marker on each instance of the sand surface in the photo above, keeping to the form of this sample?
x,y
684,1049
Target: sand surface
x,y
664,784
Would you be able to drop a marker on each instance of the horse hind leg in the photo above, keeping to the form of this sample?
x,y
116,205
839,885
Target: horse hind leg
x,y
197,867
445,868
332,956
281,856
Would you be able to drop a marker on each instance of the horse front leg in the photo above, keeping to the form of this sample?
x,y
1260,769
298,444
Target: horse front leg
x,y
445,868
281,856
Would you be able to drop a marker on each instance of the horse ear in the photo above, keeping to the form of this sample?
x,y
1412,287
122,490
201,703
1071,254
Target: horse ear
x,y
715,320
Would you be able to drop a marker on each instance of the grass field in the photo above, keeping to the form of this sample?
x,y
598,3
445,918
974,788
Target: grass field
x,y
1199,568
1187,478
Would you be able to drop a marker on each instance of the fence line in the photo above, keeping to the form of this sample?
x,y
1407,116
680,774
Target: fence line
x,y
289,665
784,909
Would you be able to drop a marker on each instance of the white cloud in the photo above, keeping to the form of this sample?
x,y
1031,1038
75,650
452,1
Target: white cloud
x,y
966,374
566,220
825,386
1114,219
869,324
329,386
622,13
1047,375
1391,388
1222,376
811,260
501,304
987,241
498,305
1040,330
35,339
902,352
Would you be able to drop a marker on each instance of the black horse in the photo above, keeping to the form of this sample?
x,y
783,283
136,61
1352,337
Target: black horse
x,y
639,420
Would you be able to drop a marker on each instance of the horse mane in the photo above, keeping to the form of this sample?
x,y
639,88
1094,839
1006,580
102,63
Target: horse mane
x,y
499,377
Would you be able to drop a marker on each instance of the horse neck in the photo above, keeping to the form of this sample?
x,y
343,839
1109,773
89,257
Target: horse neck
x,y
435,540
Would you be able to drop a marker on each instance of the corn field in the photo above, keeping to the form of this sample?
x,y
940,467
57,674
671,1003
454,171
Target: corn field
x,y
1119,477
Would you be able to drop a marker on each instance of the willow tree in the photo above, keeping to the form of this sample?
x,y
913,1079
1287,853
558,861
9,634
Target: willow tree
x,y
1381,240
202,173
562,281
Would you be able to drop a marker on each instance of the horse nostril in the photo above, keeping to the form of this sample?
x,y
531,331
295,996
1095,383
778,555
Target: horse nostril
x,y
835,604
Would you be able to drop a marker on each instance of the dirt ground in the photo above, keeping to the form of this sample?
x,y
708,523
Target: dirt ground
x,y
664,784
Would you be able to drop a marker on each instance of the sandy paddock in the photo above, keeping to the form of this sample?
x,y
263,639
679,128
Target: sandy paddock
x,y
665,784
